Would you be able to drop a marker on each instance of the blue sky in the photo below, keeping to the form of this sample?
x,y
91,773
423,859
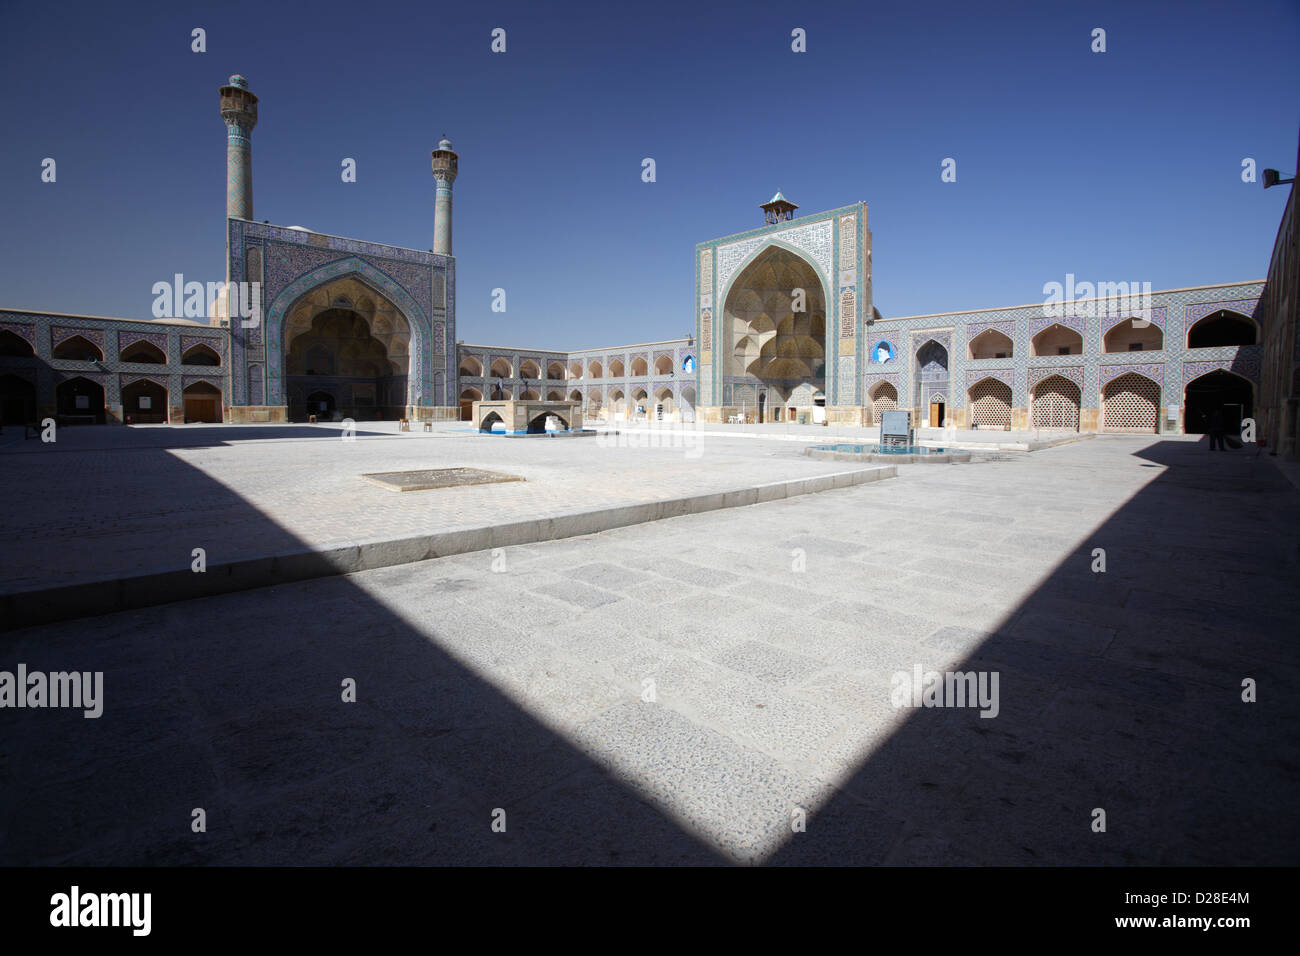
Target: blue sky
x,y
1122,166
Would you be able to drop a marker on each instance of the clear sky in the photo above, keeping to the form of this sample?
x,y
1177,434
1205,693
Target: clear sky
x,y
1115,166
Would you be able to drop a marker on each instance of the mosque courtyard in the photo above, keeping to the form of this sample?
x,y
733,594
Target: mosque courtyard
x,y
716,687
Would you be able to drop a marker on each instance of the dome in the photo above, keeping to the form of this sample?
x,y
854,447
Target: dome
x,y
444,143
239,81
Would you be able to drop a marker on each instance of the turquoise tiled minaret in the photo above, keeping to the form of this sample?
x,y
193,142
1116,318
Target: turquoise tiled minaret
x,y
239,110
445,163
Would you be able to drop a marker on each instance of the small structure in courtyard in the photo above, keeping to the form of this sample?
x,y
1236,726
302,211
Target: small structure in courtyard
x,y
424,479
526,417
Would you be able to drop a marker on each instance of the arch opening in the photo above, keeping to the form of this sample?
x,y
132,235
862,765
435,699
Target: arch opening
x,y
989,404
991,344
1055,403
13,345
201,355
144,353
1130,403
202,403
1134,335
144,403
1230,396
80,401
1221,328
1057,340
468,396
17,401
337,356
538,425
78,349
775,314
346,338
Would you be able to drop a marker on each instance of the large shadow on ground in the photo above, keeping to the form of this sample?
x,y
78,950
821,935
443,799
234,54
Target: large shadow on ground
x,y
1120,691
247,723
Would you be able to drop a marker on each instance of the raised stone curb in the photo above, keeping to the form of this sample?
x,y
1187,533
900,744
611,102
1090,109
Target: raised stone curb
x,y
42,606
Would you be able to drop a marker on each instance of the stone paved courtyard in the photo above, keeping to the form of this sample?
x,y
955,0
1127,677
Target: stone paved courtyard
x,y
104,503
769,636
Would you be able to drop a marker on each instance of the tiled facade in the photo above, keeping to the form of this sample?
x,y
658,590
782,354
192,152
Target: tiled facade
x,y
45,332
925,363
290,264
658,378
837,245
1170,367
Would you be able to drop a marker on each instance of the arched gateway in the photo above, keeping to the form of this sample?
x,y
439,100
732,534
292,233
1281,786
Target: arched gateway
x,y
364,328
775,314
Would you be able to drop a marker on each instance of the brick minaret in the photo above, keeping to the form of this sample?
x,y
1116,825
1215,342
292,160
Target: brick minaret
x,y
444,172
239,110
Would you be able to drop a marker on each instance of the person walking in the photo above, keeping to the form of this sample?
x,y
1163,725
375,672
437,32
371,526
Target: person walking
x,y
1217,429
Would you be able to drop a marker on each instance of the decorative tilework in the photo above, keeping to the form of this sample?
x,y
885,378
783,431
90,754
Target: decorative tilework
x,y
216,343
67,375
1007,328
1072,372
159,380
1158,317
256,386
1039,322
1109,372
846,386
848,242
22,330
188,380
60,334
815,239
1245,367
158,339
848,313
1004,375
1194,311
706,270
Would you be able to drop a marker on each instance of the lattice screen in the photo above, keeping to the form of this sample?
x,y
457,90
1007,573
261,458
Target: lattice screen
x,y
1056,403
883,399
990,405
1132,403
